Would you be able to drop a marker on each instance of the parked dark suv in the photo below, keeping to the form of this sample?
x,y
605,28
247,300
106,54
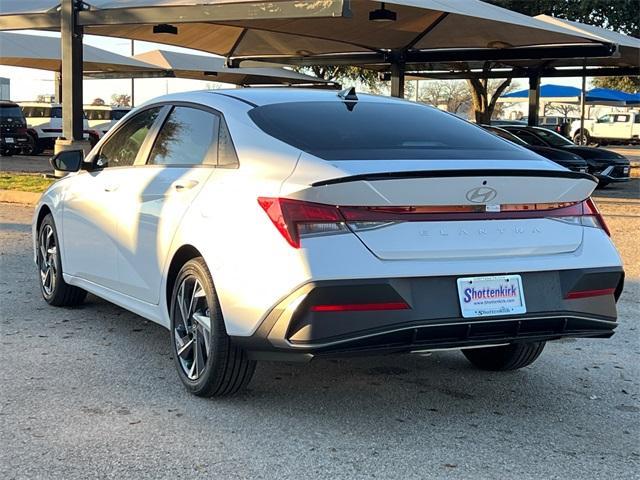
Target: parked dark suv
x,y
13,129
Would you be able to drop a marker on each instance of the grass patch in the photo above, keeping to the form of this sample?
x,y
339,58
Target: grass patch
x,y
24,182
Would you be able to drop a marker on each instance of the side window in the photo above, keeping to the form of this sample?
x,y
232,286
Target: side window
x,y
637,120
603,119
188,137
530,138
622,118
227,157
122,148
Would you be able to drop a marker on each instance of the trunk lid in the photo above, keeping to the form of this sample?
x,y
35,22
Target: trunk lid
x,y
453,187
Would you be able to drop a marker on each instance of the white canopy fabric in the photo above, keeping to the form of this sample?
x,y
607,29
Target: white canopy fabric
x,y
43,53
200,67
419,24
628,46
40,52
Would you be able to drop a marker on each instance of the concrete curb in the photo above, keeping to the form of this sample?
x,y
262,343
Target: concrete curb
x,y
15,196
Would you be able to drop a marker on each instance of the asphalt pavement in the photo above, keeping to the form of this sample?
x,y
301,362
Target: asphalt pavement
x,y
92,392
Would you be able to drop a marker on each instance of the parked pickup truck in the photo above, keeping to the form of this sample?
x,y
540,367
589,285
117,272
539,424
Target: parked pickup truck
x,y
610,128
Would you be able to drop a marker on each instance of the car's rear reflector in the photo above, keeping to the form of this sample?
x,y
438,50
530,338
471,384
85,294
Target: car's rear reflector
x,y
296,218
589,293
361,307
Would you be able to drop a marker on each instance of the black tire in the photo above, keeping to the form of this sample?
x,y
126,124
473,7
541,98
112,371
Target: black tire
x,y
226,368
6,153
54,289
30,148
587,138
507,357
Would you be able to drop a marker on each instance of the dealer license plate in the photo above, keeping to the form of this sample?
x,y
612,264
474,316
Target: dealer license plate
x,y
8,140
491,296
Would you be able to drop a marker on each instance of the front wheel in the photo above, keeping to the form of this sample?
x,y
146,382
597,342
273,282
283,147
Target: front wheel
x,y
506,357
208,363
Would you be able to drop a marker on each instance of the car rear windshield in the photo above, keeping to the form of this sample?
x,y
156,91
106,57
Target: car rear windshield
x,y
10,111
380,131
553,138
118,114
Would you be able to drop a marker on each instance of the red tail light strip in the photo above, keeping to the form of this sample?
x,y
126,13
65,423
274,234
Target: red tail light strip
x,y
589,293
286,214
361,307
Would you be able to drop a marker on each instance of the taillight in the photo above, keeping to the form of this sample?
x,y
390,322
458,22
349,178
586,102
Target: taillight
x,y
590,210
361,307
295,218
589,293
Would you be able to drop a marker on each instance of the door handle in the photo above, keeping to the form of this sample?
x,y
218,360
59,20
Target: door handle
x,y
184,185
111,188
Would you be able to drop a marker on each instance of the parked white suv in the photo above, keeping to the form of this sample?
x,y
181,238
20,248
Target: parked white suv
x,y
285,224
102,117
609,128
44,123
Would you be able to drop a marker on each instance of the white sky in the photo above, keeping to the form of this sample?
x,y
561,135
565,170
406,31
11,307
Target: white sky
x,y
28,83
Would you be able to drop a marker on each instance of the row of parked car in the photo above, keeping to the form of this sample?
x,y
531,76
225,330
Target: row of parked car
x,y
606,165
28,128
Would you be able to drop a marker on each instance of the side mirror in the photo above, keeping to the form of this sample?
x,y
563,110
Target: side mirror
x,y
66,161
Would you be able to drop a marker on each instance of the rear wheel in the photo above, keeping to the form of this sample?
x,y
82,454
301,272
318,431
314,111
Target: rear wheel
x,y
506,357
54,289
208,363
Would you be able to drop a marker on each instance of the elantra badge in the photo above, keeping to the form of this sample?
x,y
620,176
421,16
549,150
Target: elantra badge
x,y
481,194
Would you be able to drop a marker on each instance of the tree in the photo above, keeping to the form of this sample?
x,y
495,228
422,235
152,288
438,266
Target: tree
x,y
98,101
121,99
563,109
456,94
485,94
626,84
343,75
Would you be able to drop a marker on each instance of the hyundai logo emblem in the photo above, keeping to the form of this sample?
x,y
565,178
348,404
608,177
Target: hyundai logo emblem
x,y
481,194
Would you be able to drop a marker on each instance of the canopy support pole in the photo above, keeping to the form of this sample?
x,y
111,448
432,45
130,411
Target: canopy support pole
x,y
397,79
583,94
72,116
534,99
57,86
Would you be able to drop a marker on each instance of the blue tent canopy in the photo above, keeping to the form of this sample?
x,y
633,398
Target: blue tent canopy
x,y
595,95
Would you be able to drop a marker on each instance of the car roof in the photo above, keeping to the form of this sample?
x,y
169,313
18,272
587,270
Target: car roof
x,y
266,96
105,107
7,103
39,104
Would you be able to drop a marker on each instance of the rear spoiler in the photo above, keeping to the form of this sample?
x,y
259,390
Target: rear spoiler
x,y
458,173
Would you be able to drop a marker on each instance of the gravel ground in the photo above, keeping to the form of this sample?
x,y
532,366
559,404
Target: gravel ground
x,y
92,393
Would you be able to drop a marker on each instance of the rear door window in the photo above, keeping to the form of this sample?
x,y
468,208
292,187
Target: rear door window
x,y
189,136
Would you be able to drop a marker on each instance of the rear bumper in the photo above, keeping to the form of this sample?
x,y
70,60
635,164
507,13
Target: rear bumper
x,y
292,331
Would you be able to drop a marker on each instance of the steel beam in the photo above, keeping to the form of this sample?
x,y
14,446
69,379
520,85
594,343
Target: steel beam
x,y
71,38
534,99
397,80
34,21
525,73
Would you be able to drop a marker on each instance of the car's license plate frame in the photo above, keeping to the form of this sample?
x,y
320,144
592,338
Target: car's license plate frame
x,y
491,296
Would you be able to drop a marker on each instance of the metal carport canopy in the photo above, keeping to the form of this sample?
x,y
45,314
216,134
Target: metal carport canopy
x,y
44,53
200,67
309,31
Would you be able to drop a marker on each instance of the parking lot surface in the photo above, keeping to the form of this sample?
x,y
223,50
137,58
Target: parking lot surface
x,y
92,392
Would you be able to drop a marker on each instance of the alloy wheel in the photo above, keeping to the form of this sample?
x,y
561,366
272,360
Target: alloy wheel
x,y
192,327
47,259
